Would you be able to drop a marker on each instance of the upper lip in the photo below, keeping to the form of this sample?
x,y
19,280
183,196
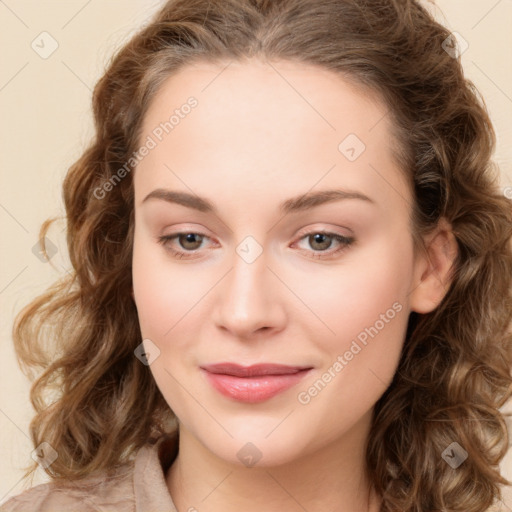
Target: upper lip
x,y
253,370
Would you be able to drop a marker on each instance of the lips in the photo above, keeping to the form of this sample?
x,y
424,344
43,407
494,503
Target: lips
x,y
254,370
255,383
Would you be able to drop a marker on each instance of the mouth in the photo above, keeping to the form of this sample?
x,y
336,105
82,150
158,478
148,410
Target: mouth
x,y
255,383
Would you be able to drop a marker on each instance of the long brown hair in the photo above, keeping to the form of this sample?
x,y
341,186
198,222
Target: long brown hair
x,y
96,404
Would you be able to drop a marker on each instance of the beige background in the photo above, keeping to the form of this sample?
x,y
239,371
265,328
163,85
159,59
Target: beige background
x,y
46,123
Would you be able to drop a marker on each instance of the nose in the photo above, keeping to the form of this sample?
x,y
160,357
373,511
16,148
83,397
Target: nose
x,y
250,300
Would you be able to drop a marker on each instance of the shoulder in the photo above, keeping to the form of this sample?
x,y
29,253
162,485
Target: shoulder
x,y
92,494
135,485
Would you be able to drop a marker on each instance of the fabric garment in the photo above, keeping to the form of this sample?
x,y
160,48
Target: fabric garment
x,y
138,486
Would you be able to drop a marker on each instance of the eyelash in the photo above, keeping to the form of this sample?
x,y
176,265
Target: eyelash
x,y
344,242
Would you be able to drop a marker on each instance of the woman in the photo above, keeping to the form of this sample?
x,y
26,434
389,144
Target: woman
x,y
292,273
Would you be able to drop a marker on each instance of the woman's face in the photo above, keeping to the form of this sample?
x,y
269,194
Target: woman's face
x,y
254,162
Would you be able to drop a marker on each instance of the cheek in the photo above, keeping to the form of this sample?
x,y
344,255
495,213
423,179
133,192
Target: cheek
x,y
165,293
352,297
369,319
365,307
155,291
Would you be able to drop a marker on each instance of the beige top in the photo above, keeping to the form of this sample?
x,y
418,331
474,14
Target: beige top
x,y
138,486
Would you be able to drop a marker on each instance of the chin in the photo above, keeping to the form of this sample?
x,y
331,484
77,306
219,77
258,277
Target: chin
x,y
252,447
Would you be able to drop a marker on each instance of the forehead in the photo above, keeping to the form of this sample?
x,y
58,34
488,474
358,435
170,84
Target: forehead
x,y
256,120
272,95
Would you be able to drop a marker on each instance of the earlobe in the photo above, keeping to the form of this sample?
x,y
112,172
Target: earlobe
x,y
433,270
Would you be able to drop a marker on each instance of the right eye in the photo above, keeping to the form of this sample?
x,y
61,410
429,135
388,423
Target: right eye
x,y
189,242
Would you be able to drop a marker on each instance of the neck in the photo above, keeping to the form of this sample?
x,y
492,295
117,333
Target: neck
x,y
332,478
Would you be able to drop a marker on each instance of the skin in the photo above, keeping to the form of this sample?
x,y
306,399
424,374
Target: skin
x,y
260,135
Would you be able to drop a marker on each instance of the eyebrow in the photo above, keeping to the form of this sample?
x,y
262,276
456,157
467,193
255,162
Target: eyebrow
x,y
295,204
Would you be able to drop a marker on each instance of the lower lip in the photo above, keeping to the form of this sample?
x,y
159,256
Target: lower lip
x,y
253,389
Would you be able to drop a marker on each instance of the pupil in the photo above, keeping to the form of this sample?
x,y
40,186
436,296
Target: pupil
x,y
189,239
318,239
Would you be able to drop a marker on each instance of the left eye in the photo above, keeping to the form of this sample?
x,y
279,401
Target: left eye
x,y
322,241
319,241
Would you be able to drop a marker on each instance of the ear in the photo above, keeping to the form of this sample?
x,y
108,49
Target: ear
x,y
433,268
